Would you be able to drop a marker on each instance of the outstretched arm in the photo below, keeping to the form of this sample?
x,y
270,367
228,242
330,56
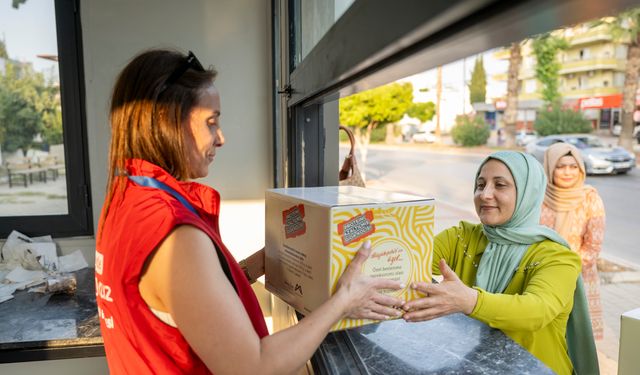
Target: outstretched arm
x,y
211,317
448,297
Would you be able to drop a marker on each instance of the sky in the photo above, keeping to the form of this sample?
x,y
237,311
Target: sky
x,y
29,31
455,91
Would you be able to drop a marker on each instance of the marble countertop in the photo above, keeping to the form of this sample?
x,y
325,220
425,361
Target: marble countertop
x,y
37,326
454,344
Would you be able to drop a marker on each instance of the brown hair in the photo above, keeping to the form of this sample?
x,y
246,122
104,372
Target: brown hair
x,y
147,115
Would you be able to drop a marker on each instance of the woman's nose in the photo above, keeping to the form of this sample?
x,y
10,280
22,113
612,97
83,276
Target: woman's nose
x,y
219,138
487,192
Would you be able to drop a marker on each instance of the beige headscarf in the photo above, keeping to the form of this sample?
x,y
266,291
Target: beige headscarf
x,y
564,201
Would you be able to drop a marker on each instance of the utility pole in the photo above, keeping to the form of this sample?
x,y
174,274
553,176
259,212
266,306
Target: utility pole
x,y
438,96
464,85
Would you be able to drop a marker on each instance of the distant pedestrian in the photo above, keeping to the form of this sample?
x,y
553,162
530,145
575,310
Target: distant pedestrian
x,y
500,137
576,211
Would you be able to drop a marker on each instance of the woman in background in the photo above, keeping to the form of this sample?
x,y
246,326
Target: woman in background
x,y
576,212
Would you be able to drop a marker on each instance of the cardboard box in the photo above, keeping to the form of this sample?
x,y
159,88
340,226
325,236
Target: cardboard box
x,y
628,360
313,233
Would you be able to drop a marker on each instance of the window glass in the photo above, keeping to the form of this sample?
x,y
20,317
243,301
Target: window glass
x,y
315,18
32,157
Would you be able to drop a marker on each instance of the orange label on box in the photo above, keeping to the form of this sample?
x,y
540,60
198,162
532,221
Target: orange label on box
x,y
293,220
356,228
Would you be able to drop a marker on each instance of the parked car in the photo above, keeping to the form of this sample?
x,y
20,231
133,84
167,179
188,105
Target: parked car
x,y
598,157
423,137
523,137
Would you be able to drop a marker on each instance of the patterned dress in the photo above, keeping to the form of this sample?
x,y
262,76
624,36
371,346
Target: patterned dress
x,y
586,236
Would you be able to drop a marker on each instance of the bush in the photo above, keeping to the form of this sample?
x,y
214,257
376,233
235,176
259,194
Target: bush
x,y
378,134
470,131
558,120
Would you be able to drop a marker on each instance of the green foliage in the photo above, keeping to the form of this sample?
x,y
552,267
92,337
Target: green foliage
x,y
422,111
28,106
16,3
378,106
478,84
378,134
3,50
545,48
625,26
557,120
470,131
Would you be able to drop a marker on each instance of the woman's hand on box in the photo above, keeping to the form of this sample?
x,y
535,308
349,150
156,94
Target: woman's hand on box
x,y
362,293
448,297
253,266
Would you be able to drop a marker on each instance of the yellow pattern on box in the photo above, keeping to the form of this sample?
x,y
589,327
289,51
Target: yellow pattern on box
x,y
407,228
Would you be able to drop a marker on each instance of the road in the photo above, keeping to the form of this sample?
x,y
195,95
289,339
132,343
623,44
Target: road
x,y
448,177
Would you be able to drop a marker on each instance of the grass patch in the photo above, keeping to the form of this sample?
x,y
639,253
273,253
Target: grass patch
x,y
30,193
56,196
13,200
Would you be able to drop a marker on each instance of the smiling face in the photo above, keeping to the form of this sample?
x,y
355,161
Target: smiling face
x,y
566,174
495,193
203,134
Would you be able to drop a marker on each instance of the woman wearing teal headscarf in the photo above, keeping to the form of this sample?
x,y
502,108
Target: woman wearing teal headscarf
x,y
510,272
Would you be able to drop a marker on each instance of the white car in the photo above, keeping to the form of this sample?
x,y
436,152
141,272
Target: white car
x,y
423,137
598,157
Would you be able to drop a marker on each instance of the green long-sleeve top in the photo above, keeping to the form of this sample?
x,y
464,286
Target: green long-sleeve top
x,y
534,308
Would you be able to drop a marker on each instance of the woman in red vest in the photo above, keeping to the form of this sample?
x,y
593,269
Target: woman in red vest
x,y
171,298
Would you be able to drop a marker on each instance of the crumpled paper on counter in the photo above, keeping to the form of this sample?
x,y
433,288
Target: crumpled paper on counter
x,y
26,262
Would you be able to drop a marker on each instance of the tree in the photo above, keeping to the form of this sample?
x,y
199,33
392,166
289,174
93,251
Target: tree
x,y
3,50
513,88
16,3
372,108
545,48
478,84
626,26
28,106
422,111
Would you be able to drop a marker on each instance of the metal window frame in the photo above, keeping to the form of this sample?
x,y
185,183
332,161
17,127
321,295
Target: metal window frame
x,y
79,220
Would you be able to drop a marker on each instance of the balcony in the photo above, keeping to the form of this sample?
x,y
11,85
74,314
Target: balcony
x,y
591,36
567,93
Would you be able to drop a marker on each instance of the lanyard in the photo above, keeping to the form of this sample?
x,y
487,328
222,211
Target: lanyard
x,y
153,183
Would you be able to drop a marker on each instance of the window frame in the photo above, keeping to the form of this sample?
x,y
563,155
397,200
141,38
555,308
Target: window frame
x,y
79,219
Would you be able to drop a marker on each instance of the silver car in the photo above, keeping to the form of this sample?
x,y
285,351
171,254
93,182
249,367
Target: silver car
x,y
598,157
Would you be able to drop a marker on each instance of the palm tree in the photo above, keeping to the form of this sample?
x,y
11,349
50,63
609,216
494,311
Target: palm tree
x,y
511,111
626,26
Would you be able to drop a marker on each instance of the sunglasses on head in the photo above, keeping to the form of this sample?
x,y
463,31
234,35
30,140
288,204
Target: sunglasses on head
x,y
190,62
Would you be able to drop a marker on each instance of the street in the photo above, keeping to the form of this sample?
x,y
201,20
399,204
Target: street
x,y
448,176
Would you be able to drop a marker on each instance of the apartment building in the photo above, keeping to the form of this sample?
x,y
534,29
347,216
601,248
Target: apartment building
x,y
591,76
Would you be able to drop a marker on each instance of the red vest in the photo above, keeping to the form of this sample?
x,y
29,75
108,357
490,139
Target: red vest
x,y
135,340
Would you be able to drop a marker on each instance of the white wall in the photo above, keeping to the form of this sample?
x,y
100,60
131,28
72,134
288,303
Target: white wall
x,y
232,35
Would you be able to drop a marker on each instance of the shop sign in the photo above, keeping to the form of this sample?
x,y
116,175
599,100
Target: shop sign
x,y
598,102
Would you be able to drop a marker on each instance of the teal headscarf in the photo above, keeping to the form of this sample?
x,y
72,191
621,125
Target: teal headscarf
x,y
509,242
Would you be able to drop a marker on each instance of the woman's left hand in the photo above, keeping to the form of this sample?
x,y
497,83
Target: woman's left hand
x,y
448,297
